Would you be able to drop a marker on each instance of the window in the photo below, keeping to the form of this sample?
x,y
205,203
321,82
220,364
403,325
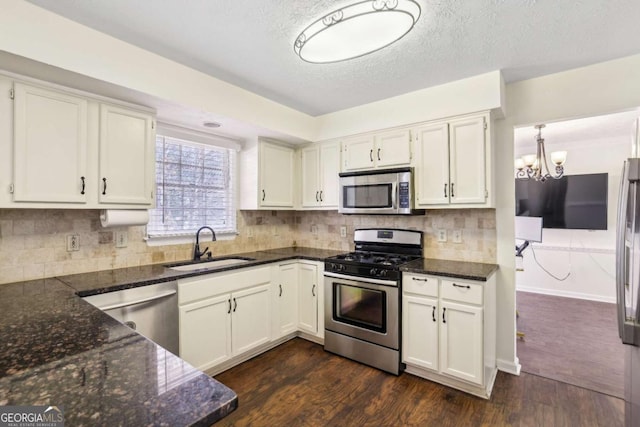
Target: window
x,y
195,186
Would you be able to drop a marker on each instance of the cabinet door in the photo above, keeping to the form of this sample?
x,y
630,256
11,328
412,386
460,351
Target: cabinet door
x,y
50,146
250,318
276,175
308,298
467,160
127,162
329,169
461,342
205,331
358,153
432,170
311,176
393,149
420,331
287,293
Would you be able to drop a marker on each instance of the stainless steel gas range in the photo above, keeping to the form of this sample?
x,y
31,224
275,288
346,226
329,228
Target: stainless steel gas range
x,y
363,291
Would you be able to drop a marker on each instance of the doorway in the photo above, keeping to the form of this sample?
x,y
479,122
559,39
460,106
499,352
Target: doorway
x,y
565,285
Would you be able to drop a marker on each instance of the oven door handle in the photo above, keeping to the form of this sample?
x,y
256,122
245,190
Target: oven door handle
x,y
362,279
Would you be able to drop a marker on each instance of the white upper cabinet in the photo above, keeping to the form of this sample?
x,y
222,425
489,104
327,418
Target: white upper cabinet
x,y
276,175
127,163
453,166
320,168
59,147
380,150
467,173
432,172
50,146
393,149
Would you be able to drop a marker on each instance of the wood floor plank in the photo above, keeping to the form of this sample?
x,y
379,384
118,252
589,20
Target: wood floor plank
x,y
299,384
571,340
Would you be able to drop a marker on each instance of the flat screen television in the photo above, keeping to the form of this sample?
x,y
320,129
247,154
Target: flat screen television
x,y
577,202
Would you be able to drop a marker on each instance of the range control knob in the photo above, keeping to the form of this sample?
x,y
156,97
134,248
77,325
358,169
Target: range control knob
x,y
383,273
373,272
342,267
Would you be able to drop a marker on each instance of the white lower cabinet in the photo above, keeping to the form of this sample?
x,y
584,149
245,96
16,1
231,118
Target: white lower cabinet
x,y
449,331
308,289
461,342
224,315
286,305
227,317
205,331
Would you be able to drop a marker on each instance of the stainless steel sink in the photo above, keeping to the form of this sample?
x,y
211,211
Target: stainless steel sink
x,y
207,265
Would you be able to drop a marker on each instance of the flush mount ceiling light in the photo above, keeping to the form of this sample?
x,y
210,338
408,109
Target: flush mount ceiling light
x,y
356,30
531,166
211,125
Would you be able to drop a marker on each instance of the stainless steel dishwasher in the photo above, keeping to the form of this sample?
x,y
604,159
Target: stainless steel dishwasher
x,y
151,310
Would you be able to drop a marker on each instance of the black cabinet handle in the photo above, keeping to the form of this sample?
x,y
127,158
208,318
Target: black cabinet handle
x,y
320,195
417,279
229,311
371,154
433,313
444,309
263,195
280,286
82,191
452,195
317,194
461,286
378,154
313,290
104,186
235,305
445,190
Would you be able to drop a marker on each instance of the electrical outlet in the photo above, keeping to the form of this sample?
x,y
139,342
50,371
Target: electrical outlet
x,y
457,236
343,231
122,239
274,230
314,229
442,235
73,243
249,232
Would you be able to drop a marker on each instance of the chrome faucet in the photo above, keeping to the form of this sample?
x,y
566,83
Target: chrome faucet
x,y
196,250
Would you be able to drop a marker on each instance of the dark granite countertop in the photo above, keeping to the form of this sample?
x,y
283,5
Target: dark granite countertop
x,y
86,284
59,350
455,269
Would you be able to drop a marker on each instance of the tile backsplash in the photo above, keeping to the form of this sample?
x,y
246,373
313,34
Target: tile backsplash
x,y
33,242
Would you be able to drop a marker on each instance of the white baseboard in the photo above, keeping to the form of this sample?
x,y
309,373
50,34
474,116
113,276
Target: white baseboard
x,y
509,366
567,294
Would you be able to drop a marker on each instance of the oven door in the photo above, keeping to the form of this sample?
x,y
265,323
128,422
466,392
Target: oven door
x,y
362,309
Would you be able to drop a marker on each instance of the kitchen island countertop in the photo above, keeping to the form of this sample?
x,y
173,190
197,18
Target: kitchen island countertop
x,y
61,351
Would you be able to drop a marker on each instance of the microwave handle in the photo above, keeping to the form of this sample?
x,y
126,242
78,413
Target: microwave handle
x,y
395,188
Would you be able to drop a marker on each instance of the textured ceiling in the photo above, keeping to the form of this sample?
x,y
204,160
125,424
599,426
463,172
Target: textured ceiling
x,y
249,43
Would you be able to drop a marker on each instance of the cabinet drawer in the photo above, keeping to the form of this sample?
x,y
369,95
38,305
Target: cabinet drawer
x,y
462,291
420,284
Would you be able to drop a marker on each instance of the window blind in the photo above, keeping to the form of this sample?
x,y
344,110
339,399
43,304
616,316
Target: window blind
x,y
195,186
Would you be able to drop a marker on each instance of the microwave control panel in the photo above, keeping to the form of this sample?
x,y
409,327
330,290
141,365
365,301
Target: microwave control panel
x,y
404,199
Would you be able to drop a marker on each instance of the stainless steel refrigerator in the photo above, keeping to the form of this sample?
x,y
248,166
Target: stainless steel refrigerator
x,y
627,284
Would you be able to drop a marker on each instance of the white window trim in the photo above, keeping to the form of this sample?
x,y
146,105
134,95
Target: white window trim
x,y
174,131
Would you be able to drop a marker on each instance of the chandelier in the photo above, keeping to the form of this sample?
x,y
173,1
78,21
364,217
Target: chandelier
x,y
356,30
531,166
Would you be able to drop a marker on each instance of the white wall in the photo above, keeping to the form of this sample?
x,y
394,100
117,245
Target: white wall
x,y
589,91
35,33
588,255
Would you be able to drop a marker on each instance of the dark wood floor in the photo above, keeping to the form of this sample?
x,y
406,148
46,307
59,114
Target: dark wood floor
x,y
299,384
571,340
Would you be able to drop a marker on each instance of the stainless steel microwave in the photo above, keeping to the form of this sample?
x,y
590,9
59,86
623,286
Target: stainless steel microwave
x,y
388,192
